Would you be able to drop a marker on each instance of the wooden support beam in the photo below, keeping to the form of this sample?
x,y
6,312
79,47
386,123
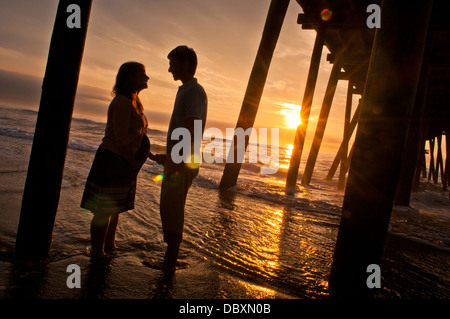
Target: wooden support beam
x,y
322,122
424,167
360,61
414,141
255,87
447,161
347,132
421,166
424,145
305,111
439,161
431,141
354,20
375,167
346,140
45,170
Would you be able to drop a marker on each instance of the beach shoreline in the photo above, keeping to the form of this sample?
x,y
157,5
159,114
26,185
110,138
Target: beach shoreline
x,y
415,268
123,276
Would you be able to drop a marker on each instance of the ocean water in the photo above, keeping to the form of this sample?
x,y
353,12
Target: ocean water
x,y
253,231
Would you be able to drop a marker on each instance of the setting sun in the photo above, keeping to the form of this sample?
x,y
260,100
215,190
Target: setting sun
x,y
291,112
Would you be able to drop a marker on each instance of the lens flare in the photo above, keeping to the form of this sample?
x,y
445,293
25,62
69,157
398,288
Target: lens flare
x,y
326,14
159,178
193,161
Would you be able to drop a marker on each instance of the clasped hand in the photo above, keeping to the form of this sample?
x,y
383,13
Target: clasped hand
x,y
158,158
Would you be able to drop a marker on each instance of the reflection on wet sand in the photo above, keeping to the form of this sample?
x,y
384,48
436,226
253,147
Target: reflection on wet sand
x,y
256,243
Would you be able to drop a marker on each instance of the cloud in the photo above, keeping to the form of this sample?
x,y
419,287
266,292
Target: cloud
x,y
225,35
19,88
25,90
25,27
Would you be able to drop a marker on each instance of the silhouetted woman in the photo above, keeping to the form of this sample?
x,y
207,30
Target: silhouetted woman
x,y
111,185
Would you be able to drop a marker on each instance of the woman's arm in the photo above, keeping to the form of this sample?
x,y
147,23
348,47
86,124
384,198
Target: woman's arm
x,y
158,158
122,109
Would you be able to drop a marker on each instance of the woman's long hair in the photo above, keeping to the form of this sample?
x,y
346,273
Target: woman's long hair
x,y
124,85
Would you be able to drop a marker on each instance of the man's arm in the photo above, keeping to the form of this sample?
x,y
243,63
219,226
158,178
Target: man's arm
x,y
190,126
170,167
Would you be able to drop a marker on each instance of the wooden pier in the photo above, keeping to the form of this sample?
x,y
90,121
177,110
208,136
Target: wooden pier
x,y
400,72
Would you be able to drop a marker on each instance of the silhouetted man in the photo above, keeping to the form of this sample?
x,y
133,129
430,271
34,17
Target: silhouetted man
x,y
190,105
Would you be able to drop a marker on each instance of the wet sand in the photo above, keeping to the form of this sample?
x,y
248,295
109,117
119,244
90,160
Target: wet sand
x,y
123,276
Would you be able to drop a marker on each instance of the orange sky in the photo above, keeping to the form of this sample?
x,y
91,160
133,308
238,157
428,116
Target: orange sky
x,y
225,35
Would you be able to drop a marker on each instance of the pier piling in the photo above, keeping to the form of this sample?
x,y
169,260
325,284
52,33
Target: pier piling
x,y
347,135
322,122
387,105
256,83
51,137
411,153
305,111
340,153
